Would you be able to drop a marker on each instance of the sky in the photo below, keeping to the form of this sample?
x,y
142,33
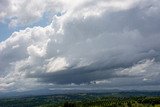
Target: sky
x,y
80,44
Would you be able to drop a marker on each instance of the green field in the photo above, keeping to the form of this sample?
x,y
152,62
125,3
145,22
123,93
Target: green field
x,y
115,99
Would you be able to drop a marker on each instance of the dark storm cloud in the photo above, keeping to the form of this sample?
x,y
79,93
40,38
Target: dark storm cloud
x,y
114,40
78,75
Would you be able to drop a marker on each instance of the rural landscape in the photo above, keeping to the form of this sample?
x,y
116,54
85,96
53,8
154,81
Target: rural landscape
x,y
110,99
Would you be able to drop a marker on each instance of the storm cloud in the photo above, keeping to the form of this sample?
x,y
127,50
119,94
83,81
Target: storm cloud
x,y
110,43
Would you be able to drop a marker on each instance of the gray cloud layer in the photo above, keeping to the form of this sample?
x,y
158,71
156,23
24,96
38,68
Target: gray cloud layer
x,y
109,43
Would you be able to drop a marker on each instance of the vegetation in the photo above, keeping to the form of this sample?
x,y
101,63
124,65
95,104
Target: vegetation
x,y
85,100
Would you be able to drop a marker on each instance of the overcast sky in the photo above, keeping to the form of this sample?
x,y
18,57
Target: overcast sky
x,y
50,44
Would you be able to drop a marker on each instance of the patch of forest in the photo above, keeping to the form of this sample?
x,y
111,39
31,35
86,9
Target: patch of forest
x,y
86,100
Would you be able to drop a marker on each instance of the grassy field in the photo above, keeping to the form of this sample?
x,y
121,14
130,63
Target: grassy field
x,y
116,99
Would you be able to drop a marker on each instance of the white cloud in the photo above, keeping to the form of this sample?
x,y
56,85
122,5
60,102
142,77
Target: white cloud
x,y
138,69
57,64
144,73
27,11
35,51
